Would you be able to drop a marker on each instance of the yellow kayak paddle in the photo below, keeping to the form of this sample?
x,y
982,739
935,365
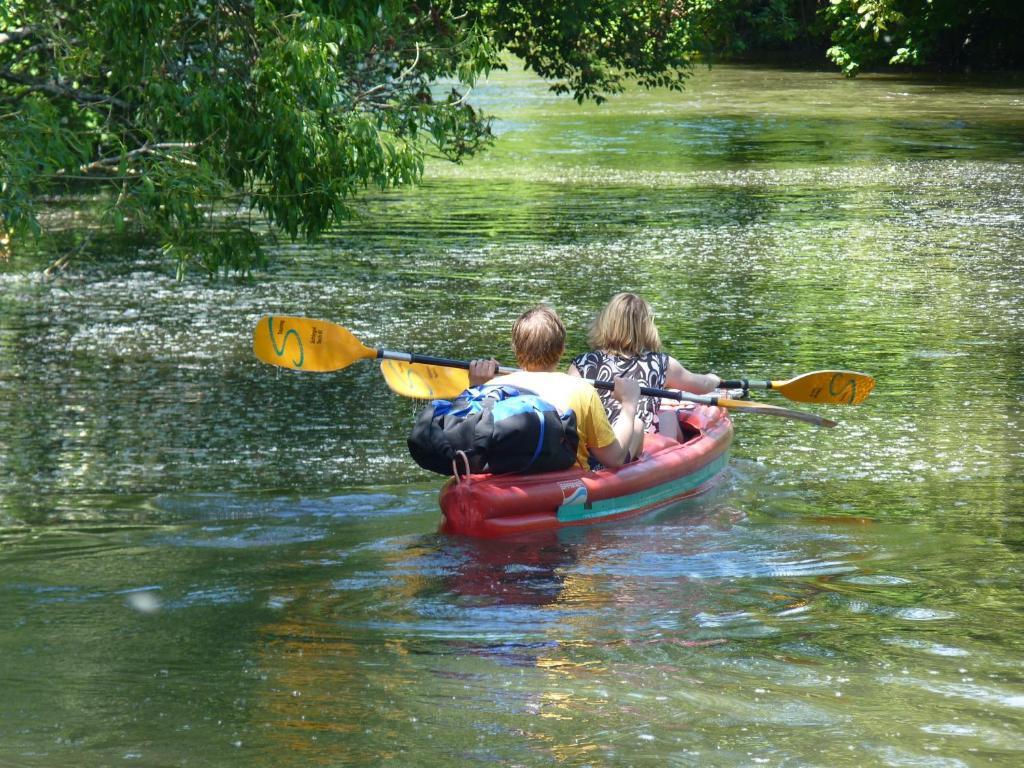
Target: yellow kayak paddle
x,y
823,387
317,345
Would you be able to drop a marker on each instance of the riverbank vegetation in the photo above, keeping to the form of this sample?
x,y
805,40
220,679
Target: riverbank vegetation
x,y
190,120
860,35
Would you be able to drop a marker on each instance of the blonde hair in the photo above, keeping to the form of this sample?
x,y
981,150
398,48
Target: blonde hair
x,y
625,327
538,338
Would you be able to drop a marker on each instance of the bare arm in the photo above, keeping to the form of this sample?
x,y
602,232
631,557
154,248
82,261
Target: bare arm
x,y
677,377
627,392
574,371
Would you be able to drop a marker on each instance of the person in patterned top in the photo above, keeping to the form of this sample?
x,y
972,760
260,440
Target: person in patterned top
x,y
625,342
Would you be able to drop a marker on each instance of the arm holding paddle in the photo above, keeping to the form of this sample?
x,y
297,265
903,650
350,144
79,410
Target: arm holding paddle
x,y
677,377
629,432
482,371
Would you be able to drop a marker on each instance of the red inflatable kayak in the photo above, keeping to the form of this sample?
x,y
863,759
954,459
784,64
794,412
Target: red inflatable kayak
x,y
488,506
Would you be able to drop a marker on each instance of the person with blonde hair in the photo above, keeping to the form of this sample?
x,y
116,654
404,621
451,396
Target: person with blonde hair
x,y
625,342
538,340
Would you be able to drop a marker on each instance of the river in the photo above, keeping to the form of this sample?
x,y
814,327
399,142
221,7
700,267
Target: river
x,y
205,561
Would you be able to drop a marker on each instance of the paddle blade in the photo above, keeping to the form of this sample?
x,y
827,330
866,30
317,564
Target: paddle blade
x,y
827,387
424,382
306,345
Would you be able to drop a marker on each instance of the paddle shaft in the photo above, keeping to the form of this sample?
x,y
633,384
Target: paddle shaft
x,y
671,394
299,343
444,362
320,346
746,384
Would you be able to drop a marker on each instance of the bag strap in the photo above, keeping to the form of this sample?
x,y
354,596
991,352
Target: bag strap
x,y
465,466
540,438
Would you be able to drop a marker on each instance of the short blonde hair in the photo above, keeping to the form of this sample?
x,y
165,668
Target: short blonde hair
x,y
625,327
538,338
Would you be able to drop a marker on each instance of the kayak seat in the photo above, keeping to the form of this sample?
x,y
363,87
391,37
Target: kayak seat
x,y
688,432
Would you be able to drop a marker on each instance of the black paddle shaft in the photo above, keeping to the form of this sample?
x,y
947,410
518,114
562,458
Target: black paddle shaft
x,y
745,384
671,394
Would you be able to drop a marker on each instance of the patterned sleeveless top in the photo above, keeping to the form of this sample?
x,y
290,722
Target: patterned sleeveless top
x,y
649,368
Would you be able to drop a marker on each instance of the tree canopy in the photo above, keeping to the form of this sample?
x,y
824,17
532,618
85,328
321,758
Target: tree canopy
x,y
189,111
187,118
952,34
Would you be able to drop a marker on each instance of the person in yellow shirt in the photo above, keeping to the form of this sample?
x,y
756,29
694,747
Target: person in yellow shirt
x,y
538,340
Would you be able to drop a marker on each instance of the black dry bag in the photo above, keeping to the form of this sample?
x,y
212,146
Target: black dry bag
x,y
500,429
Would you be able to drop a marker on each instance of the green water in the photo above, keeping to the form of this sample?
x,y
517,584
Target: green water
x,y
207,562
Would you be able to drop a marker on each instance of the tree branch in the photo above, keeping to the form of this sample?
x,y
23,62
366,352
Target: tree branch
x,y
16,35
57,89
106,163
61,263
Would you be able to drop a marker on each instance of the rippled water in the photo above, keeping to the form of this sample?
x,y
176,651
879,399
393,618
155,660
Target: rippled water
x,y
204,561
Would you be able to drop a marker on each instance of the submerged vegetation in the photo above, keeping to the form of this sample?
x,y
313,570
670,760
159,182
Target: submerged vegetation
x,y
190,119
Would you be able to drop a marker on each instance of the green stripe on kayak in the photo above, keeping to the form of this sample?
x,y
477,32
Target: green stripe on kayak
x,y
571,513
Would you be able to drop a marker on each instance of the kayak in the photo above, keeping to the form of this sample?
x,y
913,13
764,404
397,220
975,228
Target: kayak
x,y
491,506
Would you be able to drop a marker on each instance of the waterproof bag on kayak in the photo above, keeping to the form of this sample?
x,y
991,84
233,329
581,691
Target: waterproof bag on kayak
x,y
500,429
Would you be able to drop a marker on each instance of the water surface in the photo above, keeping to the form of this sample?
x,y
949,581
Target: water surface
x,y
205,561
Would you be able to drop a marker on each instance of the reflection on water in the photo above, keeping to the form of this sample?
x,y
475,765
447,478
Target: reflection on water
x,y
205,561
699,630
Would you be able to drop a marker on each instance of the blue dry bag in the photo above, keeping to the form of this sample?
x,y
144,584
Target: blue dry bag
x,y
501,429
